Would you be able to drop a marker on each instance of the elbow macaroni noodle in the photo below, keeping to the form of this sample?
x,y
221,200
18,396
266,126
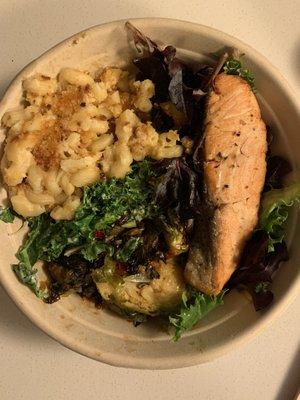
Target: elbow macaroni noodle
x,y
72,129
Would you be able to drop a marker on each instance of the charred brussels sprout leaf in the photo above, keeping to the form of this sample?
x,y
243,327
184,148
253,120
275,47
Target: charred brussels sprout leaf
x,y
107,273
71,273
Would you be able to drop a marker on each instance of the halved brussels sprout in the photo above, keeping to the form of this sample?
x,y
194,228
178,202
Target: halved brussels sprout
x,y
152,297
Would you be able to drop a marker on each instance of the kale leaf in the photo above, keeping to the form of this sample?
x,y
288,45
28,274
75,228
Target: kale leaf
x,y
30,252
6,215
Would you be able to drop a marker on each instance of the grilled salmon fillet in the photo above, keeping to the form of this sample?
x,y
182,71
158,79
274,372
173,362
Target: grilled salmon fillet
x,y
234,151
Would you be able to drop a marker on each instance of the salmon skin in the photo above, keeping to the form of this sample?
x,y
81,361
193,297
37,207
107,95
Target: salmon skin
x,y
234,152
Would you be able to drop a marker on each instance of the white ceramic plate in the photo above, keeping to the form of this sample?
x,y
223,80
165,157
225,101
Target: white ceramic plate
x,y
100,334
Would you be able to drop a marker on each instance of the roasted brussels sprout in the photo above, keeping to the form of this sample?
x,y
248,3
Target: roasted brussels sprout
x,y
139,293
71,273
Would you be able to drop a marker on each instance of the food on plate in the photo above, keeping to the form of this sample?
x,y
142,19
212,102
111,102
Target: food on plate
x,y
152,193
139,293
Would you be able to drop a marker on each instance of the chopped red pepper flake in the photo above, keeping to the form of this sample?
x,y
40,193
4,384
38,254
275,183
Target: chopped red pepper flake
x,y
99,234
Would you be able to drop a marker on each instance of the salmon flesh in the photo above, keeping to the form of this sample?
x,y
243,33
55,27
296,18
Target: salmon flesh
x,y
234,150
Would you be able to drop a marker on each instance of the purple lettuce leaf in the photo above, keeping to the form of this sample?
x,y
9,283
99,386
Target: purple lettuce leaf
x,y
257,267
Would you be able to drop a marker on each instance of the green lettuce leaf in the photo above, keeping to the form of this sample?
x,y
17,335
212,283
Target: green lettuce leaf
x,y
195,305
274,211
6,215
